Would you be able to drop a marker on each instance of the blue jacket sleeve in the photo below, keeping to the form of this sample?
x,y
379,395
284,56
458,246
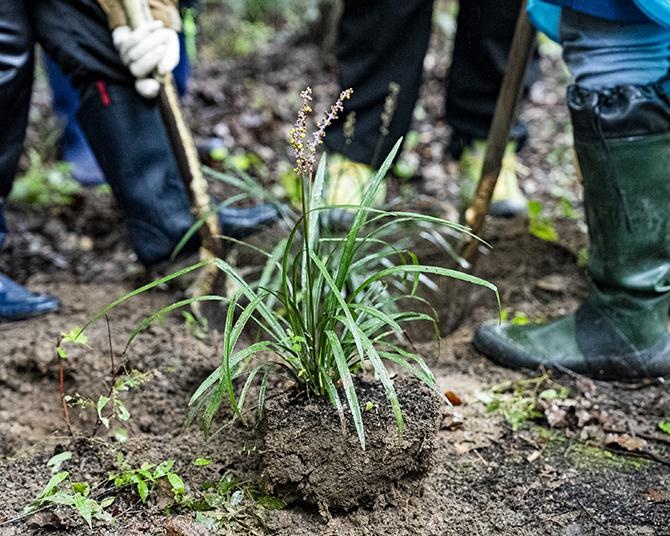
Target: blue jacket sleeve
x,y
546,14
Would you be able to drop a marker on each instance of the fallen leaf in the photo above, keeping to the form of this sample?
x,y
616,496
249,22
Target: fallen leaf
x,y
656,496
533,456
451,422
453,398
626,442
182,526
554,283
555,416
583,417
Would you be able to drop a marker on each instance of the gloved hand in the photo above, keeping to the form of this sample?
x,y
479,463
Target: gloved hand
x,y
150,50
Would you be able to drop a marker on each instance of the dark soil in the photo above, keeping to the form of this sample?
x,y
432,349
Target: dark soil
x,y
592,463
306,455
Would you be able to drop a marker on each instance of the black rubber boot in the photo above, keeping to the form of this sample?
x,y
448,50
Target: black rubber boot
x,y
129,140
622,140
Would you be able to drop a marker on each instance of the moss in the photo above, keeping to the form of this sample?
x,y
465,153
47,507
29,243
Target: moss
x,y
586,456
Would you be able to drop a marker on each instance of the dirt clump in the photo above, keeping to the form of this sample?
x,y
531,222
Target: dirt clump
x,y
307,457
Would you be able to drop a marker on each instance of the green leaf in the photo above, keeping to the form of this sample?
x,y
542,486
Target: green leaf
x,y
75,336
270,503
57,461
160,313
437,270
347,382
83,488
549,394
60,497
163,469
349,248
53,484
142,489
85,507
123,413
178,487
384,378
100,406
539,225
121,435
201,462
102,312
107,502
664,426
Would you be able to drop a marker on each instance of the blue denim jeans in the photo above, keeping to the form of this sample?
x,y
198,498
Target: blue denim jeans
x,y
601,53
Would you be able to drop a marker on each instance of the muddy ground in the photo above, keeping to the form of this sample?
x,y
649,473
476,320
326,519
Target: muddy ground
x,y
592,461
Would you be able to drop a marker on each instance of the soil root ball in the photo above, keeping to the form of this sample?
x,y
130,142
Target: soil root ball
x,y
307,457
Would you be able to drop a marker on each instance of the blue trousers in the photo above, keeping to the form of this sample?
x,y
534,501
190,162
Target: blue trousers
x,y
603,53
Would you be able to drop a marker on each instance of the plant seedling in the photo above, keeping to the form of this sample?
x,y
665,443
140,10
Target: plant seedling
x,y
338,297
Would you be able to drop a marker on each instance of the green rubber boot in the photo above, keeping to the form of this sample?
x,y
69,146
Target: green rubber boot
x,y
508,200
622,141
346,184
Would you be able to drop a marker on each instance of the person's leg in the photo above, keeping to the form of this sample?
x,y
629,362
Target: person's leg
x,y
16,76
483,39
620,113
379,42
74,146
16,80
126,132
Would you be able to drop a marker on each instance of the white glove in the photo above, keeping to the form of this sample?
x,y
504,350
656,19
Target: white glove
x,y
151,49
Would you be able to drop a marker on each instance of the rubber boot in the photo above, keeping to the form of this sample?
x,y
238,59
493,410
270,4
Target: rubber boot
x,y
346,184
129,139
16,302
622,141
508,201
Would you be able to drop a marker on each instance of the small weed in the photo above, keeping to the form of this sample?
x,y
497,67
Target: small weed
x,y
63,491
540,225
664,426
518,401
567,210
232,503
45,186
111,406
147,477
195,327
518,319
583,257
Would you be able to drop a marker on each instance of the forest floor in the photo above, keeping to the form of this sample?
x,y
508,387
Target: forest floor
x,y
523,454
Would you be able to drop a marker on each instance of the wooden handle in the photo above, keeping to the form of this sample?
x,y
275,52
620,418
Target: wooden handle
x,y
188,162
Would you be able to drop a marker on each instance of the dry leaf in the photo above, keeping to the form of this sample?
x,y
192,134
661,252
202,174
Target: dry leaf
x,y
656,496
626,442
533,456
555,416
453,398
452,422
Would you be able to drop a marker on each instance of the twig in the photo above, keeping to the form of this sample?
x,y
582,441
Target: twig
x,y
112,376
61,366
590,515
646,454
643,435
